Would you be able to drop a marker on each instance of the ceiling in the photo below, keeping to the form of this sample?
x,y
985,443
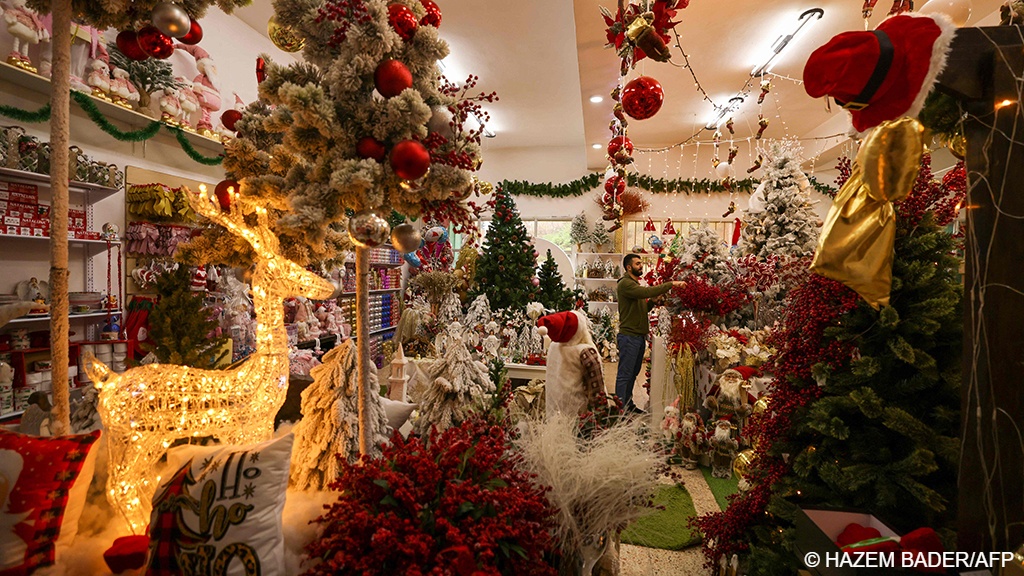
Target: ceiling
x,y
546,59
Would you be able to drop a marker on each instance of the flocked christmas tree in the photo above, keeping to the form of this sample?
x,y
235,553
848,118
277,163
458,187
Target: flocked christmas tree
x,y
701,252
504,272
364,123
864,409
553,294
181,325
599,238
579,232
457,386
780,220
479,313
329,426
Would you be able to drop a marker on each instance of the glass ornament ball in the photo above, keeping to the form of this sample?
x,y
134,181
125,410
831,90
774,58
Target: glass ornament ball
x,y
642,97
171,19
284,37
615,185
403,20
406,238
620,144
229,118
194,34
155,43
128,43
368,229
433,17
369,147
410,160
391,77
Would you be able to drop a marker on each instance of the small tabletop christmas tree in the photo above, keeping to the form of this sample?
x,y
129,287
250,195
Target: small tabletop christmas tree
x,y
580,231
505,270
457,387
182,326
599,238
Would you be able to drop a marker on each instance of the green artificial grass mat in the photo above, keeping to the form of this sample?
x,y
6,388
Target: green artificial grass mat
x,y
720,487
666,528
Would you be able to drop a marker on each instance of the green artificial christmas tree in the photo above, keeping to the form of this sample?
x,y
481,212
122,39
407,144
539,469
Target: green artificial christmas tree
x,y
505,270
553,293
147,75
579,232
182,326
864,409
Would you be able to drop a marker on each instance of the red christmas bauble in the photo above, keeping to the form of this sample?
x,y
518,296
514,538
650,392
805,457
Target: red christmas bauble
x,y
370,147
194,34
410,160
619,143
229,117
223,193
402,20
614,186
433,17
128,43
391,77
155,43
535,281
642,97
261,70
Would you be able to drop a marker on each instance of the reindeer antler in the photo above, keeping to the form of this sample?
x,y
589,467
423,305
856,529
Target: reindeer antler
x,y
261,237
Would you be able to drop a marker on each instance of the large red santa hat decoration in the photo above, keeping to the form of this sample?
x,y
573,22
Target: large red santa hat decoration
x,y
560,327
881,74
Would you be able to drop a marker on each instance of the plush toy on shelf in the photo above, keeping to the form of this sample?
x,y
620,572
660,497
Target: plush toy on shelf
x,y
122,90
204,86
27,29
170,106
98,77
189,103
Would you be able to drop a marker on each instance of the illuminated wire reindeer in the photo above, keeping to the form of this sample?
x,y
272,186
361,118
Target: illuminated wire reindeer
x,y
146,408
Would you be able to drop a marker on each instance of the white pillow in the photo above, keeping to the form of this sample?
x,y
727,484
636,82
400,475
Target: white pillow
x,y
240,490
397,412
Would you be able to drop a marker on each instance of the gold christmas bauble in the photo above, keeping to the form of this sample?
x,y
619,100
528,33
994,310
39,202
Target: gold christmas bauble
x,y
761,404
284,37
741,465
957,145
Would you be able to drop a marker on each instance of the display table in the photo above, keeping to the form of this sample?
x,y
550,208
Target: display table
x,y
525,371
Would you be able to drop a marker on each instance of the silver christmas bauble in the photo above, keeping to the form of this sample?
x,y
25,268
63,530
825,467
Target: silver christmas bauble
x,y
171,19
368,228
405,238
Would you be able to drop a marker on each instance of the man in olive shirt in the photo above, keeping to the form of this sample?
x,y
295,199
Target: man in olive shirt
x,y
633,326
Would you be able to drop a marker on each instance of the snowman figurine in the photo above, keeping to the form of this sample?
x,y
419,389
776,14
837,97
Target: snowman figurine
x,y
26,28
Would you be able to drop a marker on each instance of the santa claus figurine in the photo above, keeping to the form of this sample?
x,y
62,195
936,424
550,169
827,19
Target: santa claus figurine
x,y
692,440
26,28
122,90
730,397
723,449
574,374
204,87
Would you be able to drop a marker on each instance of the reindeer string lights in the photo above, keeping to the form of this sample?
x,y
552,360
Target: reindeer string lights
x,y
147,408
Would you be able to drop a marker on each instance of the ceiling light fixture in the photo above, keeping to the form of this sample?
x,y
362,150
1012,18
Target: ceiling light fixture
x,y
807,17
596,146
487,132
721,112
596,99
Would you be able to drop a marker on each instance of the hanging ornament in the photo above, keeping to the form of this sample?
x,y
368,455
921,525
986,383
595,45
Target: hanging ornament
x,y
391,77
433,17
368,229
757,164
535,281
733,151
284,37
642,97
957,145
261,70
766,86
762,122
669,229
730,126
406,238
155,43
171,19
615,185
620,150
229,118
724,170
403,20
410,160
730,209
128,43
224,191
649,226
370,147
194,34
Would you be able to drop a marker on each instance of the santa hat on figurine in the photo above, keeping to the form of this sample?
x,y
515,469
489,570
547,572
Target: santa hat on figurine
x,y
882,74
203,62
560,327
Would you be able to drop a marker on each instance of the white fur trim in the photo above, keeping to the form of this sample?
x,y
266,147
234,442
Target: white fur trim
x,y
940,50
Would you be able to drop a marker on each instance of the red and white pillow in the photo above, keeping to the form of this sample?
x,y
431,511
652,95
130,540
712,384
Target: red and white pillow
x,y
43,485
219,512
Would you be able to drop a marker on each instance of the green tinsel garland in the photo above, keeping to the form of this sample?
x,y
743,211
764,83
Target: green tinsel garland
x,y
651,184
89,107
94,114
41,115
194,154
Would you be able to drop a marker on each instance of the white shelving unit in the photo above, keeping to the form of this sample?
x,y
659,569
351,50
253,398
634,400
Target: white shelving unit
x,y
590,284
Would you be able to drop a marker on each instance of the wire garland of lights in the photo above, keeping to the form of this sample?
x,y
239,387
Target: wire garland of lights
x,y
147,408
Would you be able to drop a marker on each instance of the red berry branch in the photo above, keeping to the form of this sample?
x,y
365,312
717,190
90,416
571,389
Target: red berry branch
x,y
345,13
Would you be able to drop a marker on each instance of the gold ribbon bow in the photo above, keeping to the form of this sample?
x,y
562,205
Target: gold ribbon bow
x,y
856,244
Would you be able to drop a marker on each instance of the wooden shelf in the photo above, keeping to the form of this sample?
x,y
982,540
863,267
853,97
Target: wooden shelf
x,y
602,302
75,393
98,192
96,314
598,254
71,241
135,120
379,291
